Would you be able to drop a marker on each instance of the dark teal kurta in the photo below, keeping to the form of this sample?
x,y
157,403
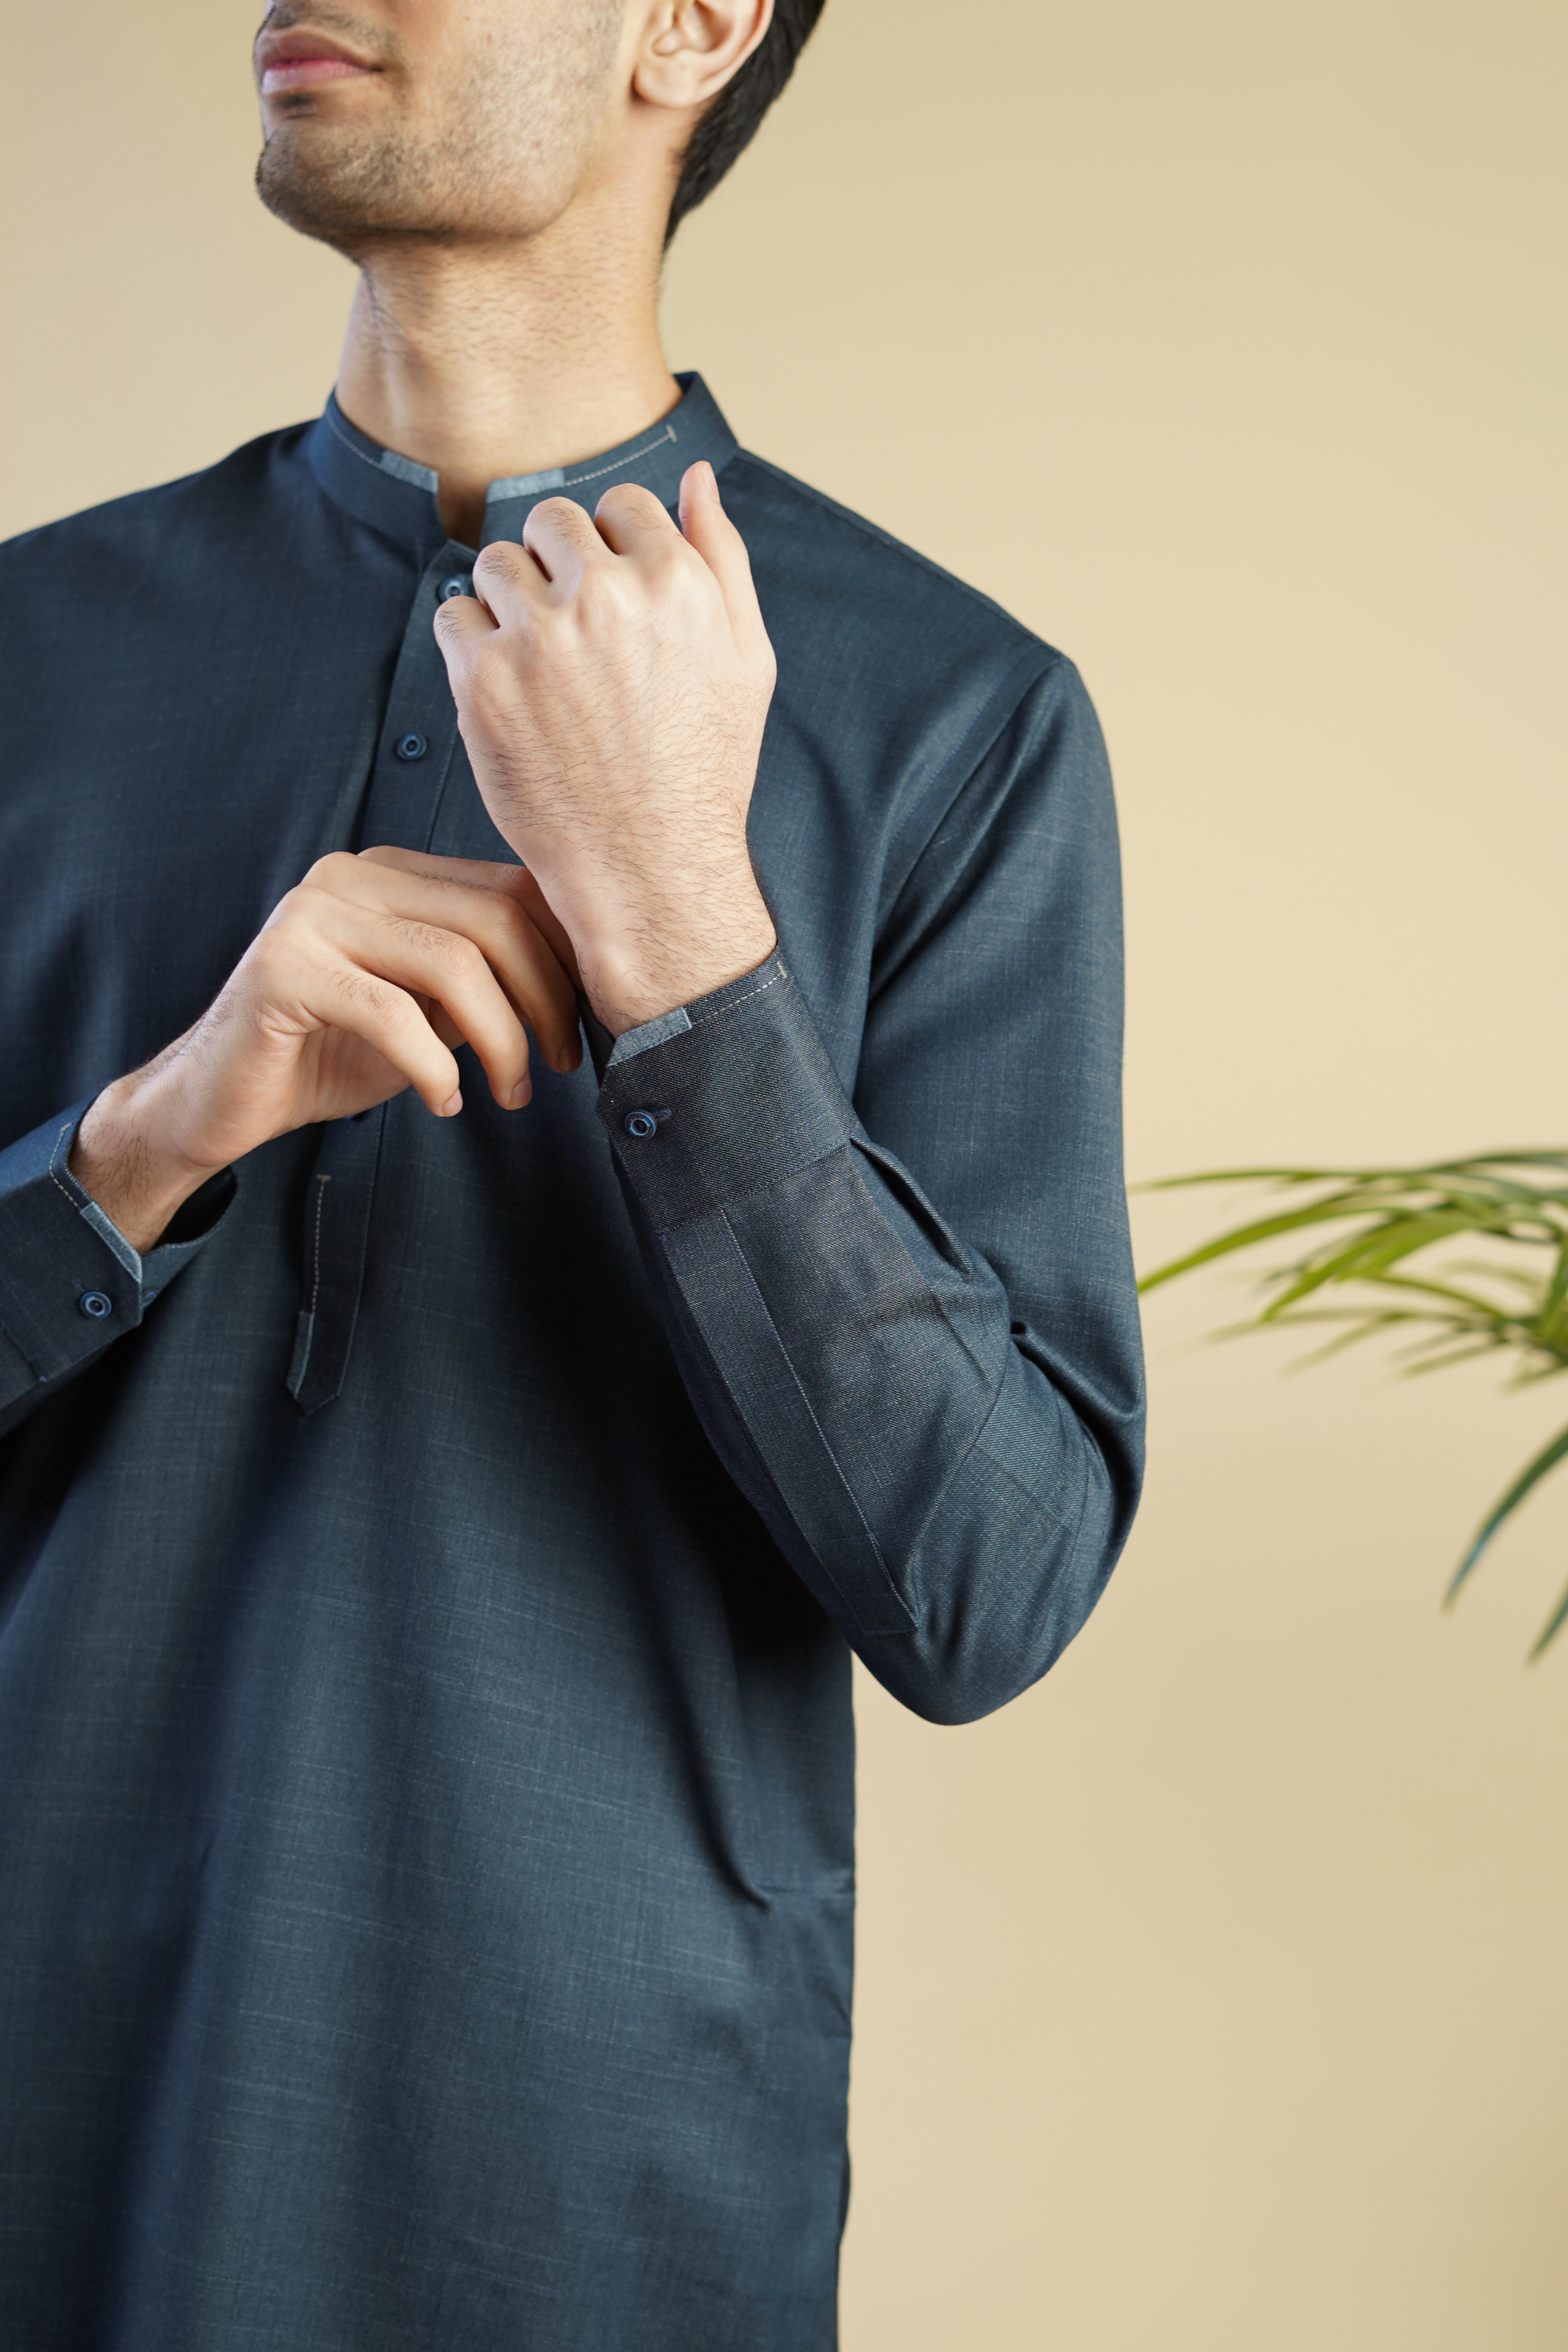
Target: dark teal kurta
x,y
426,1748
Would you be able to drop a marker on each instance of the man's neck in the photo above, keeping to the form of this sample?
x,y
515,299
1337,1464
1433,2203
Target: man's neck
x,y
482,362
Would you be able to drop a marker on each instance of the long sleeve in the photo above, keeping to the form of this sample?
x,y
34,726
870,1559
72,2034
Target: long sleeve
x,y
70,1284
903,1297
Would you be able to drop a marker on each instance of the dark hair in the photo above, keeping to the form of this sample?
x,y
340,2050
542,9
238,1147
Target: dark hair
x,y
732,121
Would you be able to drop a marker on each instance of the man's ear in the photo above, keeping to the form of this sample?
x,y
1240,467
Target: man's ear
x,y
690,49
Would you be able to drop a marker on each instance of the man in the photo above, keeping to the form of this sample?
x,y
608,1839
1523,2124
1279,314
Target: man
x,y
446,1480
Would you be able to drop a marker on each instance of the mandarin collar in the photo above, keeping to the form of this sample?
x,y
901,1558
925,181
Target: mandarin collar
x,y
398,497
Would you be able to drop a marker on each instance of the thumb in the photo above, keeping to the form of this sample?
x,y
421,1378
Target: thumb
x,y
708,530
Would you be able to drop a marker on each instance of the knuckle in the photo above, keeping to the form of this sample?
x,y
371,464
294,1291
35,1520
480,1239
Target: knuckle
x,y
498,563
564,512
377,997
454,636
333,871
513,935
286,929
630,498
302,917
270,950
509,919
449,951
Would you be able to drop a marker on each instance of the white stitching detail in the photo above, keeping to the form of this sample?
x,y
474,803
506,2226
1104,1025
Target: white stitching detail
x,y
316,1276
718,1011
629,460
55,1162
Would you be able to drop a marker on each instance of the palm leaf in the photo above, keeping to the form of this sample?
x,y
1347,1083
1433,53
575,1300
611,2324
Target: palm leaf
x,y
1549,1456
1362,1225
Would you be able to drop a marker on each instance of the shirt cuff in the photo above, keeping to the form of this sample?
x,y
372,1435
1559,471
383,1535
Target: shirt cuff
x,y
740,1095
69,1280
188,1231
651,1033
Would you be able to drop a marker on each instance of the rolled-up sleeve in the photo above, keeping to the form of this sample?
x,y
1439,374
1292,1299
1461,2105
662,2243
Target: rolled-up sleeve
x,y
906,1313
70,1283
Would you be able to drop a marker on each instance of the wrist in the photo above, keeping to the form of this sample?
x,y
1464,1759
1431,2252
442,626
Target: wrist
x,y
123,1157
645,944
637,979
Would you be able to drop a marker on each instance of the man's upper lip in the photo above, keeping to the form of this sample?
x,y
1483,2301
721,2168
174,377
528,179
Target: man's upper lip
x,y
299,41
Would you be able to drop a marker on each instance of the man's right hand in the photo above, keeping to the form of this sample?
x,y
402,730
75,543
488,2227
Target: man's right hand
x,y
360,984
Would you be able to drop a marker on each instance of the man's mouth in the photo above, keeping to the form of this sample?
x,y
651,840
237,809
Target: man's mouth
x,y
300,60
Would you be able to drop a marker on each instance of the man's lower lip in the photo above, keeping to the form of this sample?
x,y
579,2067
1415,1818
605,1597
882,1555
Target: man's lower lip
x,y
308,73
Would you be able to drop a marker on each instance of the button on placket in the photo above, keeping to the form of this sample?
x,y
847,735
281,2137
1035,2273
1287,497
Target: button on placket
x,y
420,724
642,1125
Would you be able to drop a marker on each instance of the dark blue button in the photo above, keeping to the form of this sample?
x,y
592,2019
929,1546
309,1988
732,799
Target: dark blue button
x,y
458,585
412,746
642,1124
95,1304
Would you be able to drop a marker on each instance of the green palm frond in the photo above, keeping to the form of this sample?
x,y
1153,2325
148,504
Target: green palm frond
x,y
1363,1226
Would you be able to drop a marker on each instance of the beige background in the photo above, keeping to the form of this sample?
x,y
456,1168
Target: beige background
x,y
1211,1998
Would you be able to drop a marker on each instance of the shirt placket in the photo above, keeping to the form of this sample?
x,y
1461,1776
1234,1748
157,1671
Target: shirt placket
x,y
413,759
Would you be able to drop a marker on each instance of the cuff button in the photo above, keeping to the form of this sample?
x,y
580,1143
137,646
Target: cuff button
x,y
94,1303
640,1124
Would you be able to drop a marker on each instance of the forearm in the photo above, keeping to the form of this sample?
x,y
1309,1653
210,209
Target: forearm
x,y
863,1376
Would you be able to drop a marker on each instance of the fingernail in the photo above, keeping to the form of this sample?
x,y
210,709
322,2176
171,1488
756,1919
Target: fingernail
x,y
452,1105
522,1092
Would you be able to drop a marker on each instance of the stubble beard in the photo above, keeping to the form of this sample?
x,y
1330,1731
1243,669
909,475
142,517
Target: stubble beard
x,y
501,157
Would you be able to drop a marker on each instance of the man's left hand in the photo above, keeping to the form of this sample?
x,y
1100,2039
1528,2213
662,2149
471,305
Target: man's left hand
x,y
612,677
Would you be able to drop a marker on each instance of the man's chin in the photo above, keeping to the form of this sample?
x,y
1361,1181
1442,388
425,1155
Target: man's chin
x,y
345,190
